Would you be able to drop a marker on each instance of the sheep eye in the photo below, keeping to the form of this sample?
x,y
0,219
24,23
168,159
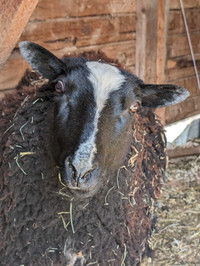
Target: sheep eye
x,y
134,107
59,86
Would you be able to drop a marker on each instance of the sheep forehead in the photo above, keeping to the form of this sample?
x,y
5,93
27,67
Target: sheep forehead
x,y
105,79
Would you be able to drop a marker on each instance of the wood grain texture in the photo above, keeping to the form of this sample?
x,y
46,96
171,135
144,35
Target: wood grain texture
x,y
65,26
178,44
146,40
163,12
186,150
50,9
12,72
151,35
175,4
176,23
162,28
180,67
80,32
13,17
183,110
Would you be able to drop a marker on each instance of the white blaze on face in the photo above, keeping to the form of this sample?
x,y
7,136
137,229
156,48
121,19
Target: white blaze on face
x,y
105,79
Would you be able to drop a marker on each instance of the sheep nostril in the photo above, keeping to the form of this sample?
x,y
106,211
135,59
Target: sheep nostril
x,y
87,175
71,172
90,179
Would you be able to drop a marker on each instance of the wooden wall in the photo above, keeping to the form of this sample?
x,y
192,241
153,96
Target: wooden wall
x,y
179,66
65,26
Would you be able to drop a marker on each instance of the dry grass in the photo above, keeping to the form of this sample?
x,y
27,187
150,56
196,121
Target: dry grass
x,y
177,241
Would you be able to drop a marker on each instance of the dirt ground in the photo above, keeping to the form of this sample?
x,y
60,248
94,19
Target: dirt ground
x,y
177,240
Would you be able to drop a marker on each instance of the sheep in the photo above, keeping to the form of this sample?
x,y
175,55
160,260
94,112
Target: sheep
x,y
82,159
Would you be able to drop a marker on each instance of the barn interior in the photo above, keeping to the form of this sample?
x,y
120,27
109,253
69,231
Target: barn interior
x,y
159,41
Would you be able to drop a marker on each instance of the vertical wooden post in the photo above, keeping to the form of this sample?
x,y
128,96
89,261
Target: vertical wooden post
x,y
146,39
163,11
162,32
151,34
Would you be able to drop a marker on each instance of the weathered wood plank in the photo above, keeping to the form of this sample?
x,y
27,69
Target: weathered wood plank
x,y
183,110
162,26
48,9
163,11
79,32
13,17
123,51
187,150
146,40
181,67
176,23
175,4
12,73
151,30
176,73
178,44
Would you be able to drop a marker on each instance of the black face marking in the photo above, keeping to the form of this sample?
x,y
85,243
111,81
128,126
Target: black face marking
x,y
74,111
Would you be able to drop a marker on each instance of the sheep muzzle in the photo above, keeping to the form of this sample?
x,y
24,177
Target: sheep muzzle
x,y
82,185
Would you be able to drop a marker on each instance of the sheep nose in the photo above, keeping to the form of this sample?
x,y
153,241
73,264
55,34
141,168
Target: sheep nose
x,y
75,177
82,185
70,175
84,177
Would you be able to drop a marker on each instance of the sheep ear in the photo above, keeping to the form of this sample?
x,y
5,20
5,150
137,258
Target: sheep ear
x,y
41,60
157,96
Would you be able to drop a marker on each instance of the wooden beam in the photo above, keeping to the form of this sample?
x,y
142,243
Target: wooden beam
x,y
183,151
162,26
161,57
146,39
53,9
151,32
13,18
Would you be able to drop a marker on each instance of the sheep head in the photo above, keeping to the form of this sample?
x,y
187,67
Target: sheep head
x,y
94,107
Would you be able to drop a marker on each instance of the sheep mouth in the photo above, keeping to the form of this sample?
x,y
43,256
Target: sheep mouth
x,y
81,185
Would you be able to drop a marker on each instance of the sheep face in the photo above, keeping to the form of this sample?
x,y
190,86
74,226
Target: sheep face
x,y
92,123
93,114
